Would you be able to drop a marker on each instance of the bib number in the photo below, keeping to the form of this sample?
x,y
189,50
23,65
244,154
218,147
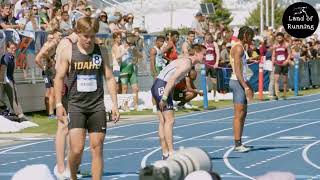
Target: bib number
x,y
161,91
209,57
281,58
97,59
86,83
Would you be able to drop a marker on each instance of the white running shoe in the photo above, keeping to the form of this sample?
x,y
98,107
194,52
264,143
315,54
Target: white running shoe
x,y
242,149
61,176
188,105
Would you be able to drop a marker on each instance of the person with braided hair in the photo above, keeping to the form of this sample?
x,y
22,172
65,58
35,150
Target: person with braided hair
x,y
242,92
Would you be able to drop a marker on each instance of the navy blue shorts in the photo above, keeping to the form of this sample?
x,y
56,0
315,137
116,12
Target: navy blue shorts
x,y
157,92
48,81
239,95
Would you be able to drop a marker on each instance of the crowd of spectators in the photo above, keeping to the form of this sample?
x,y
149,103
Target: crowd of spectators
x,y
128,41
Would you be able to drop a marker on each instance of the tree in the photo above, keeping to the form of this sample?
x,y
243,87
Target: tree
x,y
221,15
254,18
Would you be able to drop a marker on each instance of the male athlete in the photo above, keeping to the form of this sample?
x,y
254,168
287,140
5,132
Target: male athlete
x,y
239,85
212,61
281,60
188,43
162,92
185,90
86,110
62,171
47,53
157,62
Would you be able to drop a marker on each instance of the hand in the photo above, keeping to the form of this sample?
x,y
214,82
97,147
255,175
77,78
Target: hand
x,y
162,105
216,65
62,115
200,93
115,114
249,94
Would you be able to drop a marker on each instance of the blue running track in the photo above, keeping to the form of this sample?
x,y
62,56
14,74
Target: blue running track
x,y
285,136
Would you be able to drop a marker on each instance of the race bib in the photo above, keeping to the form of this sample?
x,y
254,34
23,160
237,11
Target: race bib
x,y
281,58
86,83
209,57
97,59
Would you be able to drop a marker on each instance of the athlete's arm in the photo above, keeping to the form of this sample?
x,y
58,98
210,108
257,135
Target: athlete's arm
x,y
273,58
217,50
190,85
61,72
43,53
153,53
181,68
185,49
63,44
167,47
112,87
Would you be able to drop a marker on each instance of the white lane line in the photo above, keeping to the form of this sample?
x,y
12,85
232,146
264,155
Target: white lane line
x,y
225,157
144,160
121,156
17,147
305,154
24,145
274,157
4,150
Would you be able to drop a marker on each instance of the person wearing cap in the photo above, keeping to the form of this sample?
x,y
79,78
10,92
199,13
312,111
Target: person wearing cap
x,y
88,11
44,16
19,10
103,23
129,24
196,25
128,68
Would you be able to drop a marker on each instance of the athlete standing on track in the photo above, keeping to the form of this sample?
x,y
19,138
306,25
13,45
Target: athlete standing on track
x,y
212,61
86,110
239,85
157,62
61,171
281,60
47,53
162,92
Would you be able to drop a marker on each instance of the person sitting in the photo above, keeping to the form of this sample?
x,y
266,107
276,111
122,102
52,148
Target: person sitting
x,y
185,91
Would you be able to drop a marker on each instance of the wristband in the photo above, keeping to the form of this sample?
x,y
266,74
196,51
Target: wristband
x,y
59,105
164,98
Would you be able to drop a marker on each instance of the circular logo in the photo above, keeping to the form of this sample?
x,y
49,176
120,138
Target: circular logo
x,y
300,20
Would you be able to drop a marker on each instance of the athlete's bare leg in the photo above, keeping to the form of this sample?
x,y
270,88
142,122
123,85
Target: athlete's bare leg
x,y
77,141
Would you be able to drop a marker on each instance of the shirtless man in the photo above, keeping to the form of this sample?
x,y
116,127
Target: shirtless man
x,y
162,92
45,61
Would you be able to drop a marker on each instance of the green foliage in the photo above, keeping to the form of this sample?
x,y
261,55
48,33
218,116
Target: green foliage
x,y
222,15
254,18
182,30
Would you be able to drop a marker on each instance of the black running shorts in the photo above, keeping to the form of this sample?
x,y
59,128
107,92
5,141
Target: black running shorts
x,y
92,121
